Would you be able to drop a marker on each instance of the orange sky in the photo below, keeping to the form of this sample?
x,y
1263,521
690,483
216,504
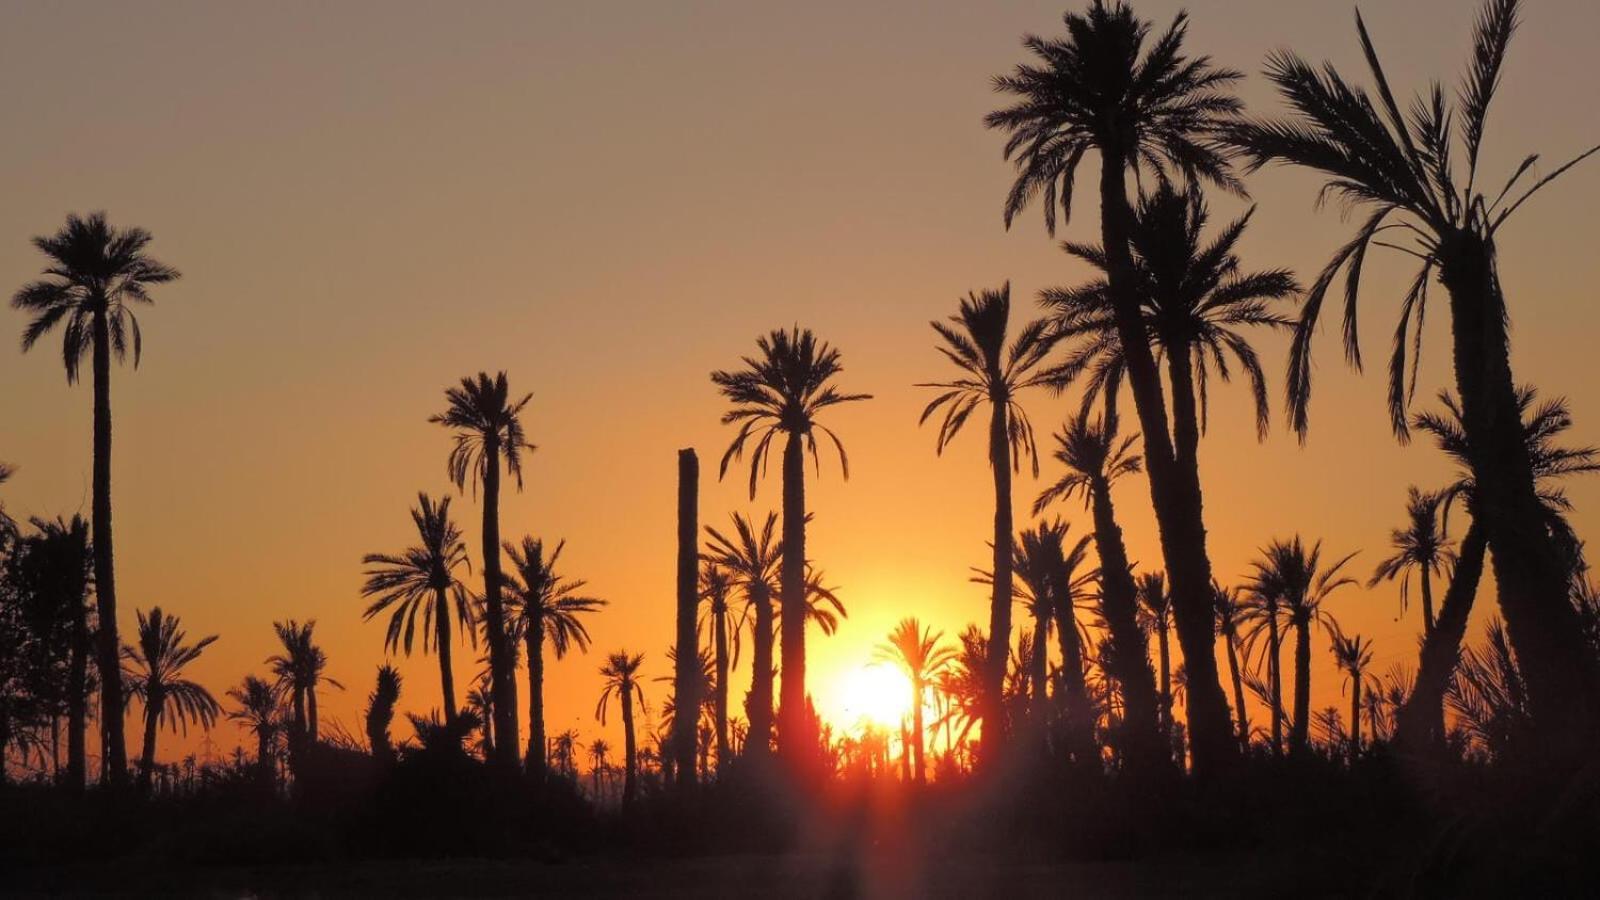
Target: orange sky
x,y
609,202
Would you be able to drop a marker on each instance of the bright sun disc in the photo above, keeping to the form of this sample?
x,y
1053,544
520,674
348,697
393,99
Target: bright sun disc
x,y
877,695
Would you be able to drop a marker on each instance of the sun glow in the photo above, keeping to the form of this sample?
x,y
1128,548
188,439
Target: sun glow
x,y
878,695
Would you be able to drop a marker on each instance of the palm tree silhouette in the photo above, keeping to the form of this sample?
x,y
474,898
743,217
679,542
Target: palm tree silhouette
x,y
1155,615
55,565
422,579
621,674
380,713
299,670
1353,654
156,678
1095,459
991,372
259,712
1101,89
725,624
1403,170
95,273
1230,616
1262,615
919,651
1033,586
781,390
1295,575
488,427
544,605
751,560
598,751
1421,546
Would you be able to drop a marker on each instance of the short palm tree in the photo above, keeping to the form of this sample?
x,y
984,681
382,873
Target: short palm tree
x,y
299,672
1106,88
1422,547
422,578
993,372
725,622
380,713
96,272
781,391
1230,618
1417,177
487,422
258,711
545,605
917,650
751,559
621,674
599,751
1353,654
156,677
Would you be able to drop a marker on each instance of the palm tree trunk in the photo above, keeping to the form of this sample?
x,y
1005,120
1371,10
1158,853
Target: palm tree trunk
x,y
1419,726
918,690
1164,649
1174,487
1275,675
629,749
533,641
502,673
1080,737
1130,654
686,687
1427,602
1355,715
994,724
1238,693
720,624
264,757
1299,737
113,746
147,759
759,740
78,699
793,743
447,678
311,713
1040,664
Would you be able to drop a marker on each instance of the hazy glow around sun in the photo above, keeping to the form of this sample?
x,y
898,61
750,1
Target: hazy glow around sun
x,y
877,694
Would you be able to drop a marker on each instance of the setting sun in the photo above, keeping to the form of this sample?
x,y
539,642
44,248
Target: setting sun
x,y
876,694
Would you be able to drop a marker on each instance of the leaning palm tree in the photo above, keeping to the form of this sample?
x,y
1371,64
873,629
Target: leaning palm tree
x,y
1423,547
487,423
156,678
993,373
751,559
545,605
1230,617
299,672
918,650
259,712
725,623
423,579
621,674
1095,459
1295,575
95,273
1155,614
781,391
1353,654
1425,198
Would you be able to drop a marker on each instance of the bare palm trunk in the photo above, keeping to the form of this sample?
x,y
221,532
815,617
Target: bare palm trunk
x,y
147,759
113,746
1275,676
720,623
759,740
686,688
1299,736
1427,602
502,671
1130,655
264,768
1419,726
1164,652
78,698
1355,716
1238,693
1075,700
1040,665
1174,487
919,691
311,712
994,724
447,678
533,642
793,742
629,748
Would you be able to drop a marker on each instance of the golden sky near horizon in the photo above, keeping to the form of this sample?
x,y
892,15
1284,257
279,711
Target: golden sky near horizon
x,y
609,201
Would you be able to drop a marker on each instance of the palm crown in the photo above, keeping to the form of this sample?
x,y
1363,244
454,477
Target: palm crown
x,y
482,412
412,581
750,557
917,649
539,592
156,673
621,674
1295,575
1422,546
1092,454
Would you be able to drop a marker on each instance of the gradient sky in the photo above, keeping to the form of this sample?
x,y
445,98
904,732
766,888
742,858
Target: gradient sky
x,y
611,200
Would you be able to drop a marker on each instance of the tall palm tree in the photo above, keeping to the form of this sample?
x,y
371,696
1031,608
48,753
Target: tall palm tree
x,y
621,674
1100,88
299,671
1296,576
545,605
1405,171
781,391
487,423
1155,614
918,650
751,559
725,624
1095,459
1353,654
1421,546
1230,616
259,712
95,273
422,578
156,678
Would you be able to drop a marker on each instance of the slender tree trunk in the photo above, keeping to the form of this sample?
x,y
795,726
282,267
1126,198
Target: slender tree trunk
x,y
1419,726
502,666
1299,737
1164,650
1355,716
720,623
1427,603
919,690
1238,693
1275,675
264,768
1174,487
1079,727
1531,569
533,642
311,713
113,746
1040,664
793,741
994,723
147,759
1130,653
759,740
78,698
686,687
629,748
447,678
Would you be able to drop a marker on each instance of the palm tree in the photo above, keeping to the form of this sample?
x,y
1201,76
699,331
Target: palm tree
x,y
716,586
1295,575
564,753
1034,587
621,674
782,390
545,606
991,372
380,713
95,273
488,427
1262,615
1404,171
1353,654
1422,546
1230,615
258,711
157,680
1155,614
918,650
299,670
1100,89
422,579
1095,459
56,565
751,560
598,751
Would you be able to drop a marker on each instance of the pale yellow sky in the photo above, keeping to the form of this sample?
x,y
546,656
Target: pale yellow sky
x,y
609,201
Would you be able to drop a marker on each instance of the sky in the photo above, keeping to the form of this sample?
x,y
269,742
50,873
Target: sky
x,y
609,201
